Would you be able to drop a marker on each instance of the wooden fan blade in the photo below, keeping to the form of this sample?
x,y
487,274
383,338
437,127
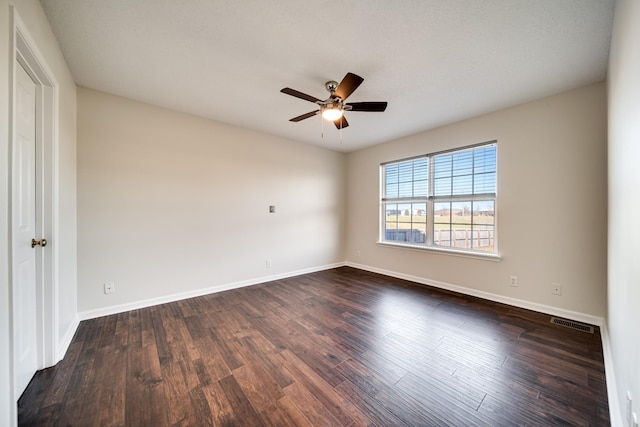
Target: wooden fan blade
x,y
341,123
349,84
305,116
299,94
368,106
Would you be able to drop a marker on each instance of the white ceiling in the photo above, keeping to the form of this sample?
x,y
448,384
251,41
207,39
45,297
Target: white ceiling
x,y
434,61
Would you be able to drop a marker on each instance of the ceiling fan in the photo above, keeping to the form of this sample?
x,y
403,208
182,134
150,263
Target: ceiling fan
x,y
333,108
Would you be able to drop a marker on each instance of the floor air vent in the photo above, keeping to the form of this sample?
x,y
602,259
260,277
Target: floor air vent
x,y
573,325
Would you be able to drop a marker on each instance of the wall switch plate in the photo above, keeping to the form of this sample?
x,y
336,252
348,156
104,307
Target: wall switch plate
x,y
513,281
109,288
556,289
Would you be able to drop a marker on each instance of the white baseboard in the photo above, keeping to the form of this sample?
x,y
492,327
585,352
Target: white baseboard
x,y
554,311
115,309
615,416
65,342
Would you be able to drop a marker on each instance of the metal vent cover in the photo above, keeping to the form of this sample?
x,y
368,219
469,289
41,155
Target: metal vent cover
x,y
573,325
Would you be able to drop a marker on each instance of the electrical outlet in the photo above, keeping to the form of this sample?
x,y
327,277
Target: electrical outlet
x,y
272,209
268,263
358,253
556,289
513,281
109,288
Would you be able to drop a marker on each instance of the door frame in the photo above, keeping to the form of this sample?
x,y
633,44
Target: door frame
x,y
25,52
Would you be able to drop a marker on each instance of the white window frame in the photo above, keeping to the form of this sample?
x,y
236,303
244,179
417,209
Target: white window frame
x,y
431,199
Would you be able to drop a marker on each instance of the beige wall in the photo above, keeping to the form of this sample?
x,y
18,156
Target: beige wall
x,y
623,318
171,203
38,28
551,207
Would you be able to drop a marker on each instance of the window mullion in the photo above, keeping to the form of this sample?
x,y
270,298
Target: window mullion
x,y
405,200
430,205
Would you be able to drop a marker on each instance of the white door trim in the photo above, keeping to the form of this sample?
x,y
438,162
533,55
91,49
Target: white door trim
x,y
26,53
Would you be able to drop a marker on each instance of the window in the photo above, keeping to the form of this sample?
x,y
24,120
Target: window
x,y
443,200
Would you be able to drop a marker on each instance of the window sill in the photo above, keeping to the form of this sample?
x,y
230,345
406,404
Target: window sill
x,y
453,252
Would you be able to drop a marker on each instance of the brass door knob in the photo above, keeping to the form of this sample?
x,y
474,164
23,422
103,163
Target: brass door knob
x,y
42,243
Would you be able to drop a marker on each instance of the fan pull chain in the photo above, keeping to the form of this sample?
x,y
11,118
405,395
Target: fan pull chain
x,y
340,132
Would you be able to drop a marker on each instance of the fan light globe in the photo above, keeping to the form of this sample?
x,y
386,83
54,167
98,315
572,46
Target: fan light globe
x,y
332,114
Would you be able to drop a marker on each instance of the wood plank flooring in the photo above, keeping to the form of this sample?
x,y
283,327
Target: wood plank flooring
x,y
341,347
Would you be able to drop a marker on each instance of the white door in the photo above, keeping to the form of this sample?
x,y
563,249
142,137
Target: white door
x,y
24,228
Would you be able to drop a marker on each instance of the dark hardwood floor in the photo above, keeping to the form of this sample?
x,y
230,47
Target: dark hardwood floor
x,y
336,348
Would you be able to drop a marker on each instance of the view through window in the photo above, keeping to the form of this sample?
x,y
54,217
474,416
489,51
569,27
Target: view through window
x,y
445,200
